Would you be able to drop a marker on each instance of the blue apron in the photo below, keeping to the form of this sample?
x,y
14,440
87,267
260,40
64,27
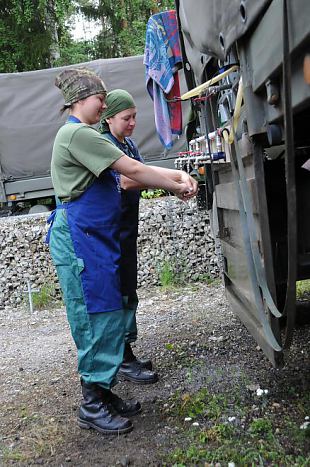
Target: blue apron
x,y
94,224
129,224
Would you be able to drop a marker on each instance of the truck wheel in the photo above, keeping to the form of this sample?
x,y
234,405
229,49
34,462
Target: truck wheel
x,y
37,208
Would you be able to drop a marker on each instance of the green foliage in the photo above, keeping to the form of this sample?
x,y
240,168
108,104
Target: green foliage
x,y
202,403
123,24
214,439
303,289
166,275
75,52
34,34
261,427
153,193
170,274
45,298
217,433
30,31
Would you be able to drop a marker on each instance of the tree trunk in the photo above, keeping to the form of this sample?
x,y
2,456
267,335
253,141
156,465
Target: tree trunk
x,y
51,25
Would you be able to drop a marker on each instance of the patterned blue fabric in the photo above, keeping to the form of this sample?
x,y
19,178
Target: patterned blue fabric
x,y
162,59
162,54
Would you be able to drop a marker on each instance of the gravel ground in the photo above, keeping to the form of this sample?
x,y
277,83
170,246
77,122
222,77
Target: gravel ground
x,y
195,342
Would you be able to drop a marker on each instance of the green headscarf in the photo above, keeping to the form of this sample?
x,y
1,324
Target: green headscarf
x,y
117,101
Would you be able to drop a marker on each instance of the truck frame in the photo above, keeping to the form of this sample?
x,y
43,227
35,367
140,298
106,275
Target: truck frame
x,y
247,70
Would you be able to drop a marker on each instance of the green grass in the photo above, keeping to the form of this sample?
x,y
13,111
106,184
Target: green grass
x,y
303,289
172,275
39,436
256,441
167,275
151,194
45,298
198,405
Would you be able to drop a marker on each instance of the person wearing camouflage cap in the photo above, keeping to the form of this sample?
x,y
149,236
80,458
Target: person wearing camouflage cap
x,y
78,83
84,243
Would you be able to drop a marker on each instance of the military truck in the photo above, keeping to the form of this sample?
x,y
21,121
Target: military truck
x,y
247,68
30,118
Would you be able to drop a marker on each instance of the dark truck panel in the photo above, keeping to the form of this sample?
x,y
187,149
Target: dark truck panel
x,y
254,155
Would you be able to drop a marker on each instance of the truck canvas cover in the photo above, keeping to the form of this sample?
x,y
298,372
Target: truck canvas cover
x,y
214,25
30,115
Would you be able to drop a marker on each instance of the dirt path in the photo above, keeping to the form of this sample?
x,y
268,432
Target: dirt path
x,y
196,344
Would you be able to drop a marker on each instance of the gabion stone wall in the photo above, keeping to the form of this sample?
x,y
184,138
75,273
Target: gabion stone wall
x,y
171,234
174,234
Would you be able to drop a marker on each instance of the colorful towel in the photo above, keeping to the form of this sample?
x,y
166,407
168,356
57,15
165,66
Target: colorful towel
x,y
162,59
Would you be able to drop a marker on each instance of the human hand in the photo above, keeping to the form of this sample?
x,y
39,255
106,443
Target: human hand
x,y
184,191
191,184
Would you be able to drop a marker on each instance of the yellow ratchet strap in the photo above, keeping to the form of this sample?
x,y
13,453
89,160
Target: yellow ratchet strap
x,y
202,87
229,135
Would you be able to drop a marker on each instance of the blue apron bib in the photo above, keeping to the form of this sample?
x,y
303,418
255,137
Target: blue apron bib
x,y
129,224
94,224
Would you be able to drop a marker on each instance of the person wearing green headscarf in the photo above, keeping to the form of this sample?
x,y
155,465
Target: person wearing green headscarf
x,y
118,122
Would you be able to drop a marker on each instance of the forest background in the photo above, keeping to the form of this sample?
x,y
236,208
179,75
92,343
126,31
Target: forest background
x,y
37,34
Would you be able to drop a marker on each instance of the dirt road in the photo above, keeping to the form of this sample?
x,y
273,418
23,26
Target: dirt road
x,y
208,397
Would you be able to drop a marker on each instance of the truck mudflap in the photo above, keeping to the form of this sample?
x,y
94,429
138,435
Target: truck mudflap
x,y
253,155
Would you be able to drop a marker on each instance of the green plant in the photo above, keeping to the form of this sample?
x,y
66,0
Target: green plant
x,y
200,404
217,433
151,194
167,276
261,426
171,274
11,454
45,297
303,289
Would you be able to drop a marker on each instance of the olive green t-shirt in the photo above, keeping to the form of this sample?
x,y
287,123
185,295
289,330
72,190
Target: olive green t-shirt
x,y
80,154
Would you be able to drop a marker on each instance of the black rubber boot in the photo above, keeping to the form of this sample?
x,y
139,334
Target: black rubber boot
x,y
124,408
134,372
97,413
129,356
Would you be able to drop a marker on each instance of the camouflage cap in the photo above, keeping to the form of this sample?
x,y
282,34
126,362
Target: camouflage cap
x,y
78,83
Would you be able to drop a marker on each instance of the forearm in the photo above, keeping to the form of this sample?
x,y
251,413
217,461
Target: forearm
x,y
144,176
129,184
170,173
150,178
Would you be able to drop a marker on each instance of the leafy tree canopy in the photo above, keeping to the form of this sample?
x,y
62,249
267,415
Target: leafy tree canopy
x,y
123,24
34,34
29,33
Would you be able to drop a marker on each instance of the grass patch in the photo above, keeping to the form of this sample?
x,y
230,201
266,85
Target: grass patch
x,y
303,289
253,438
171,275
45,298
202,404
167,276
153,193
40,437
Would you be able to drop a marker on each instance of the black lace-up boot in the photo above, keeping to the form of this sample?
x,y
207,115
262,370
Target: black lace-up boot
x,y
136,370
129,356
97,412
126,408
